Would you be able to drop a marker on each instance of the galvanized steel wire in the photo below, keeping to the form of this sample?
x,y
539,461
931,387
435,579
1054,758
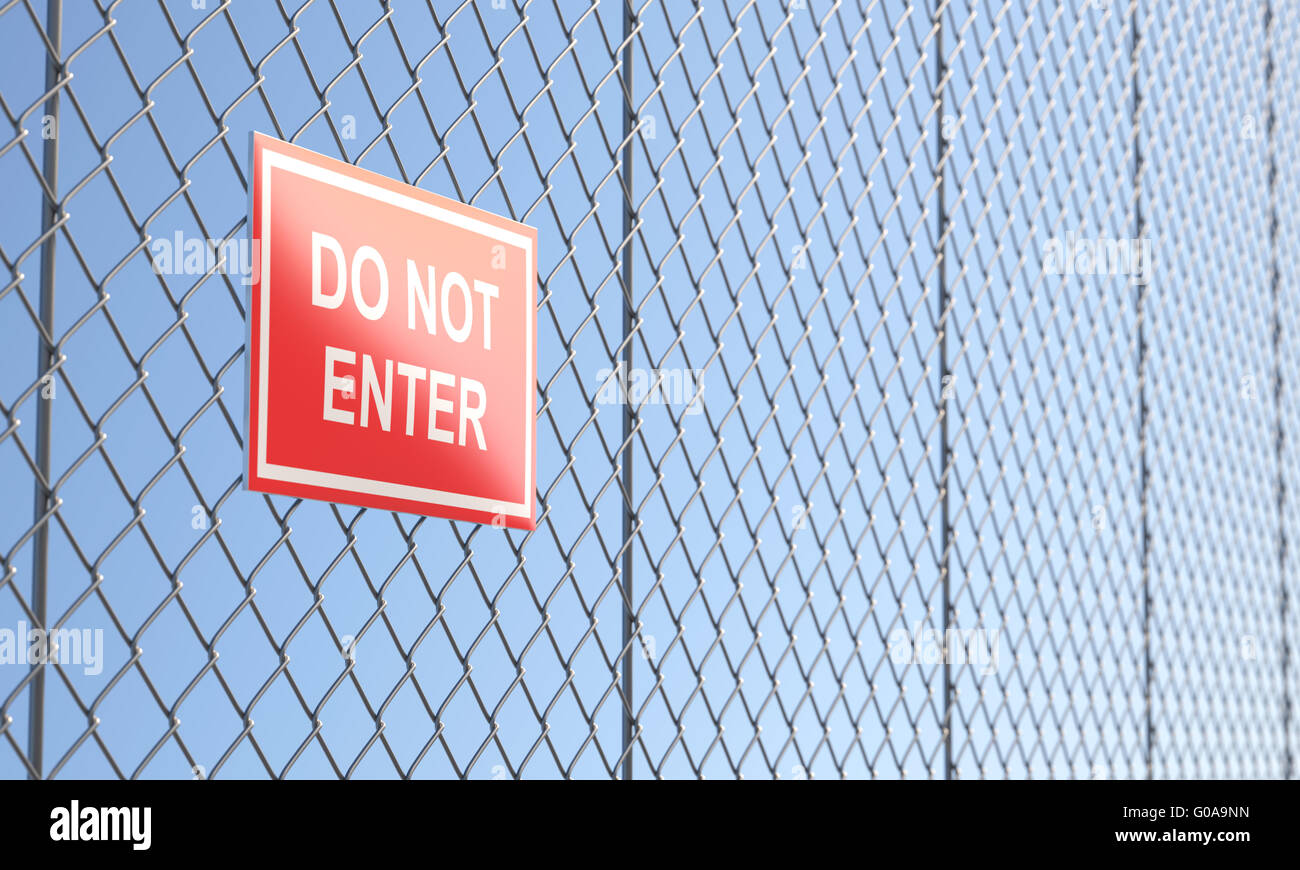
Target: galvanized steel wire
x,y
856,229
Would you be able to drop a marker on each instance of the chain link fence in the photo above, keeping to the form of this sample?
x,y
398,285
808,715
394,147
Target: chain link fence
x,y
916,389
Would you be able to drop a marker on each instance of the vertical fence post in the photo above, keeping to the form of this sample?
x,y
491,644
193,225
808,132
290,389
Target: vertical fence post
x,y
1275,286
629,414
945,458
1144,470
46,359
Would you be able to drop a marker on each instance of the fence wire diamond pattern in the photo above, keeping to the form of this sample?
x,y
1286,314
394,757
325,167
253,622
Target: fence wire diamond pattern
x,y
914,390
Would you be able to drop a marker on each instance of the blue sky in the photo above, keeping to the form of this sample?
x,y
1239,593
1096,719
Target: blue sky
x,y
785,185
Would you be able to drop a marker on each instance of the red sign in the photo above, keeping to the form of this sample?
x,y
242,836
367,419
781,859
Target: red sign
x,y
391,346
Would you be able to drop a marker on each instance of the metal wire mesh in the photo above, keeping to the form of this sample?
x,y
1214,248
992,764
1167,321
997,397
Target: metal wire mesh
x,y
913,399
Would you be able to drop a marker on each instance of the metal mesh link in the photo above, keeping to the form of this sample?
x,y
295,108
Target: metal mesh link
x,y
850,462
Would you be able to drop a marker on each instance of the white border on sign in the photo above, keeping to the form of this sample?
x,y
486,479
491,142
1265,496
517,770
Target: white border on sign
x,y
272,159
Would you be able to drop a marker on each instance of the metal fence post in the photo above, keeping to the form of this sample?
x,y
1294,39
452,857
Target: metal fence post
x,y
629,413
1275,286
945,520
1144,470
47,357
